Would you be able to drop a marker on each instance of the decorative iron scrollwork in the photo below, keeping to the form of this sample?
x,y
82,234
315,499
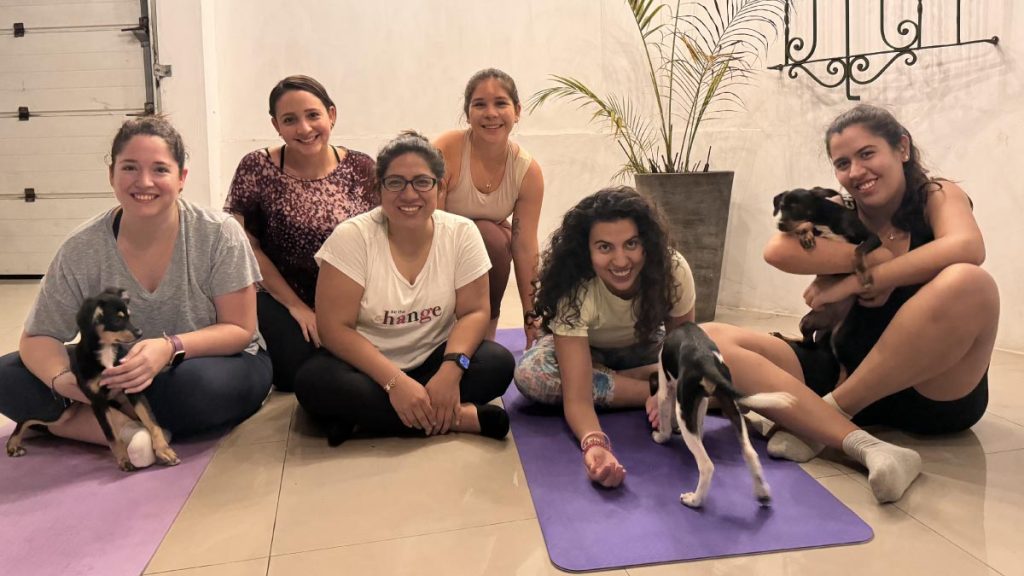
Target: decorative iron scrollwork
x,y
856,68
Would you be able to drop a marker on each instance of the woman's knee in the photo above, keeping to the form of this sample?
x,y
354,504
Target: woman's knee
x,y
723,335
537,376
964,287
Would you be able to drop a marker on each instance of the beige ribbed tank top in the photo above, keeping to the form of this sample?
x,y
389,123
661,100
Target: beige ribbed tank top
x,y
466,200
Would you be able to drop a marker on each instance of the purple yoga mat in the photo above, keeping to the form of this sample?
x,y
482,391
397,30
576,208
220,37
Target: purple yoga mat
x,y
642,522
65,507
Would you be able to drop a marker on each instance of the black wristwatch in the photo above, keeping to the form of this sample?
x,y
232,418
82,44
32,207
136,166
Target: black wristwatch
x,y
460,359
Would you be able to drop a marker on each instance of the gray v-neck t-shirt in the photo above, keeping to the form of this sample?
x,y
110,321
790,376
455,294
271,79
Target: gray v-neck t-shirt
x,y
212,257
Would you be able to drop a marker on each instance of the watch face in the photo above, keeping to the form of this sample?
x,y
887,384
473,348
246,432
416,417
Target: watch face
x,y
463,361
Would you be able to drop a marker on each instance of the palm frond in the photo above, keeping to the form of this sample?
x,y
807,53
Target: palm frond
x,y
699,55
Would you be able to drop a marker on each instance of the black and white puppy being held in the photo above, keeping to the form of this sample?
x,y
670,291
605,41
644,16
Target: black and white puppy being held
x,y
691,370
105,323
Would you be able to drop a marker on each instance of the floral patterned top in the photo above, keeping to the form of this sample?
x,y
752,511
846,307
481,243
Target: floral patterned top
x,y
291,217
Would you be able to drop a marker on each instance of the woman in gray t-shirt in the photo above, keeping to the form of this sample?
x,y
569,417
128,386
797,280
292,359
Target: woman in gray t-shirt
x,y
191,276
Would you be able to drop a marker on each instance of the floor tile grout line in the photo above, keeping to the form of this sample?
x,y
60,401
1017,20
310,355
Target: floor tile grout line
x,y
170,526
410,536
206,566
946,538
280,486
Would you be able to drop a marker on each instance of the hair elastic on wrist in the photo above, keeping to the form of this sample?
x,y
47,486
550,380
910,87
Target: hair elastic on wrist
x,y
53,387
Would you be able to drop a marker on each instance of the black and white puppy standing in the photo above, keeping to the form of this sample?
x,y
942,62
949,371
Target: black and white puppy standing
x,y
691,371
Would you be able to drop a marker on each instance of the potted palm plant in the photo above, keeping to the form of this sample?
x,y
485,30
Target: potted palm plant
x,y
698,54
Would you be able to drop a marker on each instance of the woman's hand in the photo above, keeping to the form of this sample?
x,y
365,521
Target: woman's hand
x,y
137,369
412,403
306,319
830,289
874,297
443,389
532,330
603,467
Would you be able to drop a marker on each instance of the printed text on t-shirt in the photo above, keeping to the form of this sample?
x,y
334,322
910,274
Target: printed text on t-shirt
x,y
396,317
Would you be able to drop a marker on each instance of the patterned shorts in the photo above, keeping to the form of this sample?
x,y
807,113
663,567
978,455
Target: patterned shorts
x,y
538,378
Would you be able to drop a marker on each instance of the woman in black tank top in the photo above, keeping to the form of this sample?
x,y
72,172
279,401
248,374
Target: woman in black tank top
x,y
913,352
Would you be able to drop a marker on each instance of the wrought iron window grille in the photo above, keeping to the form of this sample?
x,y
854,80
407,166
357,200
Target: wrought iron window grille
x,y
855,68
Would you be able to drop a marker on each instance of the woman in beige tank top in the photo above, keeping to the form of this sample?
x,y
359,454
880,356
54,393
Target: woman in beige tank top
x,y
491,178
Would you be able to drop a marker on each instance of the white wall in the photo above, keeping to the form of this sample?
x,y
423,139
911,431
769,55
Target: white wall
x,y
397,64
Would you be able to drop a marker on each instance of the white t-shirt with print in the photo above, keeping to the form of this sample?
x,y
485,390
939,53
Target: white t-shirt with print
x,y
608,321
406,322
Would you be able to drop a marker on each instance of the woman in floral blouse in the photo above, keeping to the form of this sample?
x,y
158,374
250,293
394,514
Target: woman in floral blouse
x,y
289,198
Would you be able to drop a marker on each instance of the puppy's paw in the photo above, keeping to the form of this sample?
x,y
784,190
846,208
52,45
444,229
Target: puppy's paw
x,y
807,241
167,457
690,499
763,493
15,451
125,464
660,437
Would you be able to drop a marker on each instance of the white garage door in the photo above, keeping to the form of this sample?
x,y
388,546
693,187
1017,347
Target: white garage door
x,y
76,74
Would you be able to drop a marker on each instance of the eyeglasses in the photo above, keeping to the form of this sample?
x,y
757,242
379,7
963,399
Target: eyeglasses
x,y
398,183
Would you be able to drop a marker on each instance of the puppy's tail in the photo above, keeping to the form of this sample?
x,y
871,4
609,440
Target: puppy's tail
x,y
767,400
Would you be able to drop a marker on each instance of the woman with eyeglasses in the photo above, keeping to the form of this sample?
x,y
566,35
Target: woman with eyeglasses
x,y
289,198
491,178
402,307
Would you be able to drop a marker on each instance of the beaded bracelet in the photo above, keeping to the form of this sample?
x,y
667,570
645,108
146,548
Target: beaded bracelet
x,y
593,439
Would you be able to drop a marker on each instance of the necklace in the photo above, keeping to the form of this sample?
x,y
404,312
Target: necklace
x,y
892,234
488,174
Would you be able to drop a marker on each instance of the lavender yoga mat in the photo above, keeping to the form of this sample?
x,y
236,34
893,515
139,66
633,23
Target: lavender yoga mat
x,y
642,521
65,508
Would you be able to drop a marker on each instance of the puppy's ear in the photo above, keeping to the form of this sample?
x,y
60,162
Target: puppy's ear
x,y
777,203
824,192
88,314
123,294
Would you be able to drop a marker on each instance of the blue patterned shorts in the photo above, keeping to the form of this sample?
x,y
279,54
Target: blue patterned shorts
x,y
538,378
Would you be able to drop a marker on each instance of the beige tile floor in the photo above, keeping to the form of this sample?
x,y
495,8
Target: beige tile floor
x,y
276,500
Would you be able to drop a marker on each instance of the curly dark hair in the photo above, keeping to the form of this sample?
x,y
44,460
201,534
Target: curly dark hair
x,y
880,122
567,267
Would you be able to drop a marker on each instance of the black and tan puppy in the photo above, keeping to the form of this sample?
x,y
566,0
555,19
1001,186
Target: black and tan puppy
x,y
105,324
807,213
691,371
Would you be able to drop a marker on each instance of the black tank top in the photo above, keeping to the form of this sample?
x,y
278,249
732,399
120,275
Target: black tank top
x,y
864,326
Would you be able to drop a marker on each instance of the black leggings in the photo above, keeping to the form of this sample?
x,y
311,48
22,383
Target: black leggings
x,y
332,390
200,394
288,349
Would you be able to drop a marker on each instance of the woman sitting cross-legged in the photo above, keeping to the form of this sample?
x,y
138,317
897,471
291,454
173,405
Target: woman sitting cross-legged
x,y
402,307
913,352
191,277
609,287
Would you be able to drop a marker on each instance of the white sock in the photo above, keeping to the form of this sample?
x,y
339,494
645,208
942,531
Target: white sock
x,y
787,445
759,423
139,444
891,468
832,402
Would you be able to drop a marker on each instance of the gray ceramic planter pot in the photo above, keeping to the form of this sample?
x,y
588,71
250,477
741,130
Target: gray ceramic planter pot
x,y
696,205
